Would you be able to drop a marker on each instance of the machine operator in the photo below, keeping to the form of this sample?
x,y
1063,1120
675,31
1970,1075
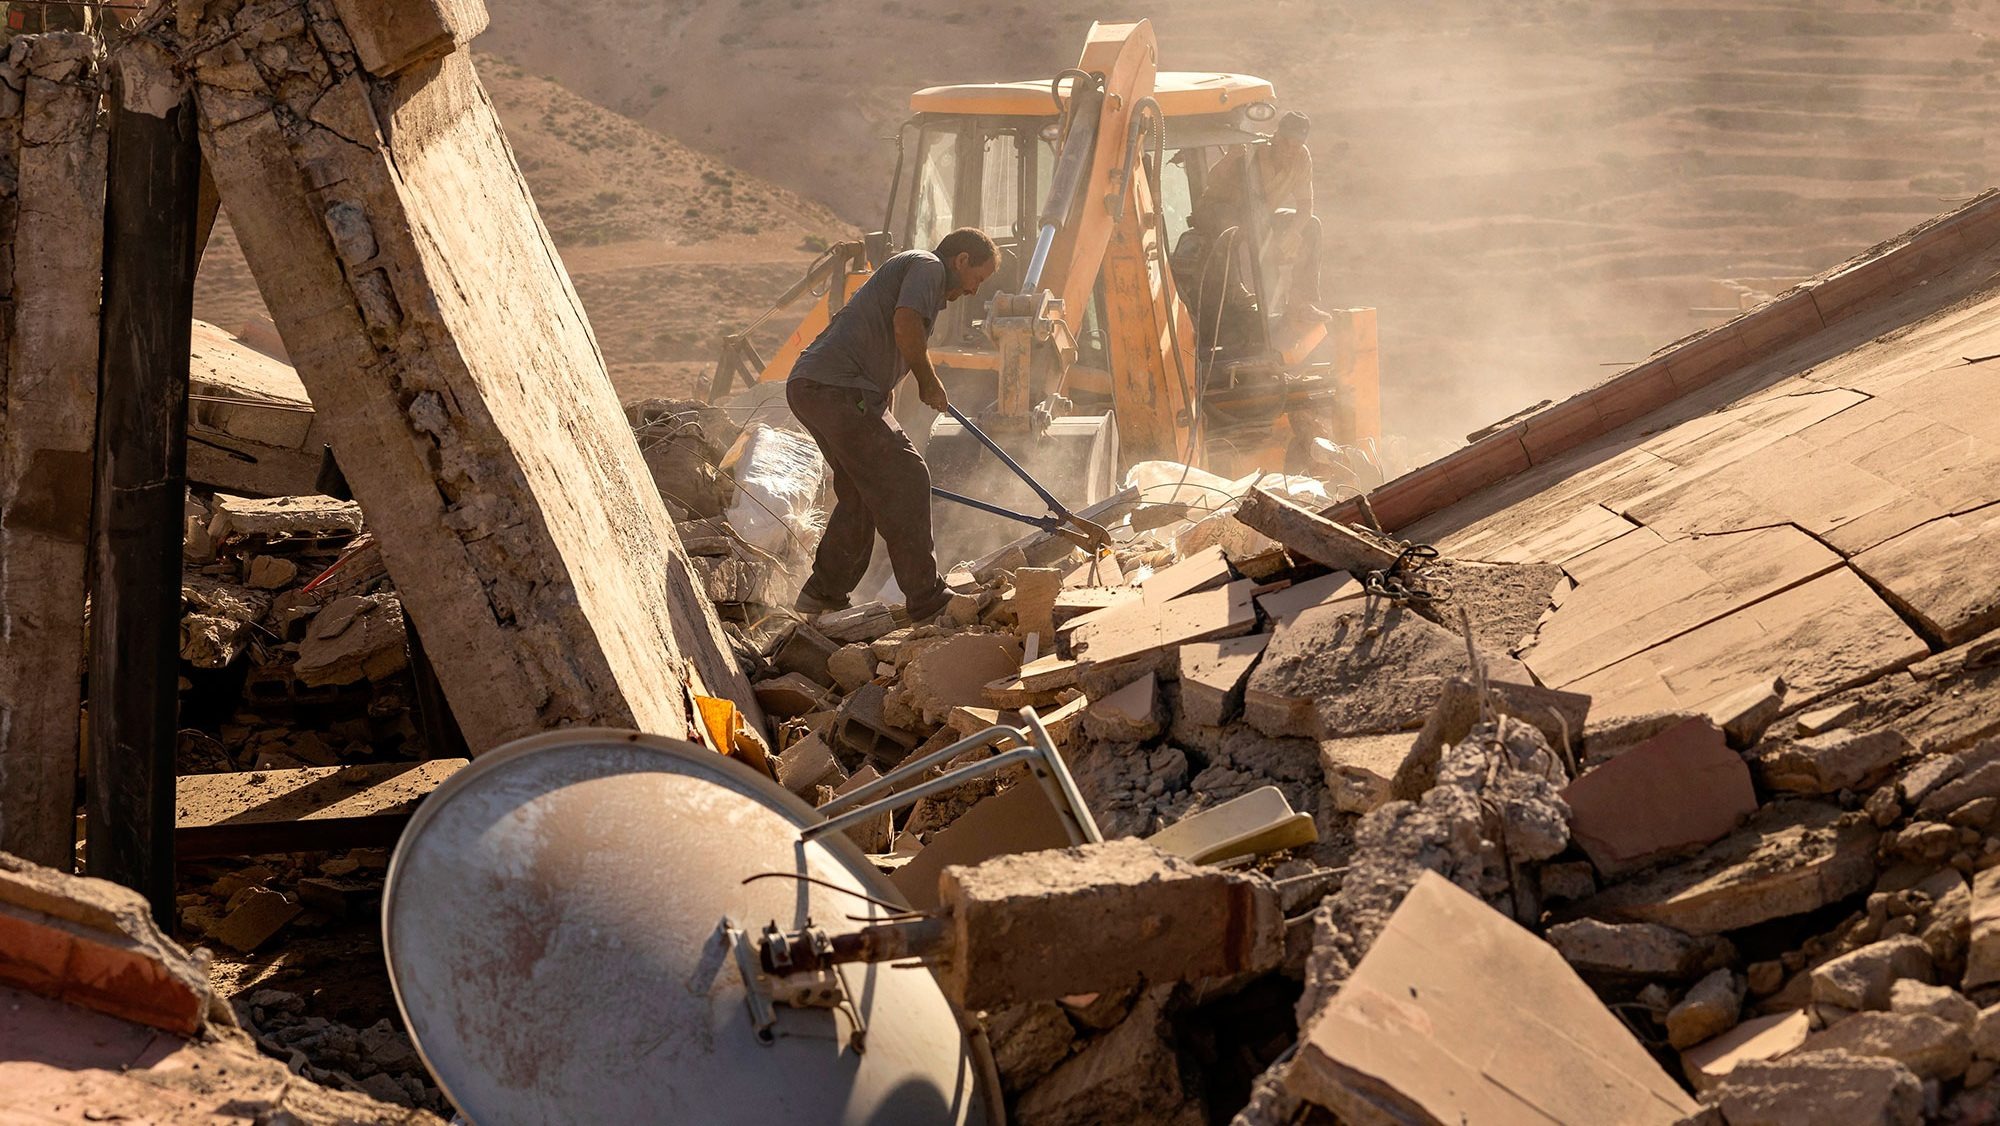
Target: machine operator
x,y
840,390
1285,172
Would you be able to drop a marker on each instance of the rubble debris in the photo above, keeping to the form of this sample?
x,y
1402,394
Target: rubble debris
x,y
356,637
1757,1039
1861,979
791,695
1129,715
256,914
275,519
1932,1047
1312,536
1559,716
1982,953
1674,793
1814,1089
1829,763
1417,1032
1746,714
1128,1074
1361,769
1211,677
1709,1009
949,672
1789,858
1647,951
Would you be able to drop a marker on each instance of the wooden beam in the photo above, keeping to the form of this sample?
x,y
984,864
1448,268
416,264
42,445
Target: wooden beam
x,y
139,473
307,808
1313,536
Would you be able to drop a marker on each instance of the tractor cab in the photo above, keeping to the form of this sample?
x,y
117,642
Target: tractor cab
x,y
983,155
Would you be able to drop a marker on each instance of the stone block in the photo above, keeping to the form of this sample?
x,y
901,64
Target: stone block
x,y
790,695
1419,1033
1708,1010
1050,924
1788,859
808,764
1862,979
851,666
1829,763
1035,591
1678,791
1757,1039
1747,713
1818,1089
1620,951
1909,995
1931,1047
1130,1074
807,651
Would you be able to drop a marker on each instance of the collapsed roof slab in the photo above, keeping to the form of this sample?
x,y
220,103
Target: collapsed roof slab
x,y
51,250
382,213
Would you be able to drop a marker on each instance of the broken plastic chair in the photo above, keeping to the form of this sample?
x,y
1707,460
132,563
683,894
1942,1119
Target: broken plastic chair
x,y
1031,745
1258,822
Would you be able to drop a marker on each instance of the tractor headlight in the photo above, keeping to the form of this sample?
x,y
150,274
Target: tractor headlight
x,y
1259,111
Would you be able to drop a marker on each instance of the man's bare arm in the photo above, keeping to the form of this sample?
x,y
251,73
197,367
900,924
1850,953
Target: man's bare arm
x,y
913,341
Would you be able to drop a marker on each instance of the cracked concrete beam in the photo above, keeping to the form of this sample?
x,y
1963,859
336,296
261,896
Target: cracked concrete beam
x,y
432,324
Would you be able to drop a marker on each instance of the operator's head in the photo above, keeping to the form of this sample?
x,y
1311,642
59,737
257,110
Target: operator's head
x,y
1293,128
969,258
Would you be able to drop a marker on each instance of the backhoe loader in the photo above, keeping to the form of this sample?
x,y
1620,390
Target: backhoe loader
x,y
1100,341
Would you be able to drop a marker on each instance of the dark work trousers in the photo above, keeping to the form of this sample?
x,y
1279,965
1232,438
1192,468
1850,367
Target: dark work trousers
x,y
880,484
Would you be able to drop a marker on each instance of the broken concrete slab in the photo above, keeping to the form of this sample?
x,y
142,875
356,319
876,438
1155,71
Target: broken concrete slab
x,y
1360,668
1627,951
276,519
257,915
1941,573
808,764
1212,675
1017,819
1862,979
356,637
1820,1088
1130,715
1755,1040
1829,763
1676,792
1051,924
430,320
1203,570
1035,593
1745,714
1819,637
1138,629
1280,605
1418,1033
1908,995
1932,1047
52,170
953,673
1791,857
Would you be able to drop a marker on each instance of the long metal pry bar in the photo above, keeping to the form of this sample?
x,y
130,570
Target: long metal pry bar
x,y
1028,743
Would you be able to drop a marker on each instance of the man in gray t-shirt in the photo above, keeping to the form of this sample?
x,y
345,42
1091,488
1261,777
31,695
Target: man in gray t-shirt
x,y
840,390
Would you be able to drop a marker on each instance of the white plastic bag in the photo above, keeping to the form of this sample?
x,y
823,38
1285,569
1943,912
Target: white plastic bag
x,y
777,475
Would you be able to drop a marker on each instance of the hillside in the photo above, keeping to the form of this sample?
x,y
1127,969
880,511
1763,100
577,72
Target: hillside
x,y
1532,192
667,246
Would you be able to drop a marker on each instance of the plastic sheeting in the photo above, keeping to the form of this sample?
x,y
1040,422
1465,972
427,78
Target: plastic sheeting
x,y
777,474
1171,482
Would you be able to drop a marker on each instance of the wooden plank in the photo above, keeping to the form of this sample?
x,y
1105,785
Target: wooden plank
x,y
1311,535
313,807
140,486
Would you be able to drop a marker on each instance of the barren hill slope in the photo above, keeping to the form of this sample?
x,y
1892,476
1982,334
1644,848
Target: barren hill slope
x,y
1528,190
667,246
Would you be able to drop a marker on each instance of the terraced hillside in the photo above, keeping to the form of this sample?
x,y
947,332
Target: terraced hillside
x,y
1529,191
667,246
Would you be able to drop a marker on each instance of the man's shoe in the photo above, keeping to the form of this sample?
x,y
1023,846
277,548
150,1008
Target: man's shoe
x,y
808,604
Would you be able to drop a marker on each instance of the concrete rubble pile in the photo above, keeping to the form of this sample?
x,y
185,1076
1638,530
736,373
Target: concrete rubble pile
x,y
1757,913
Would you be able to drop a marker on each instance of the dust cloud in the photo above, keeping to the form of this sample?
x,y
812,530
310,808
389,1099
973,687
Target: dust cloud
x,y
1533,193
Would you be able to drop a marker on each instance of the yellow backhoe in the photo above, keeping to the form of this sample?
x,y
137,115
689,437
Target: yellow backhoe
x,y
1111,333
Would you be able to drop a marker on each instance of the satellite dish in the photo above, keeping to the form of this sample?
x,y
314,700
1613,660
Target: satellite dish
x,y
554,923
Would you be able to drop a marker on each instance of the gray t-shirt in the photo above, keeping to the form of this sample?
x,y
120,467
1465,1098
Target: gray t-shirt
x,y
858,349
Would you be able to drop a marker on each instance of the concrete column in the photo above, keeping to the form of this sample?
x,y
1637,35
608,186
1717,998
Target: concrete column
x,y
422,302
52,152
